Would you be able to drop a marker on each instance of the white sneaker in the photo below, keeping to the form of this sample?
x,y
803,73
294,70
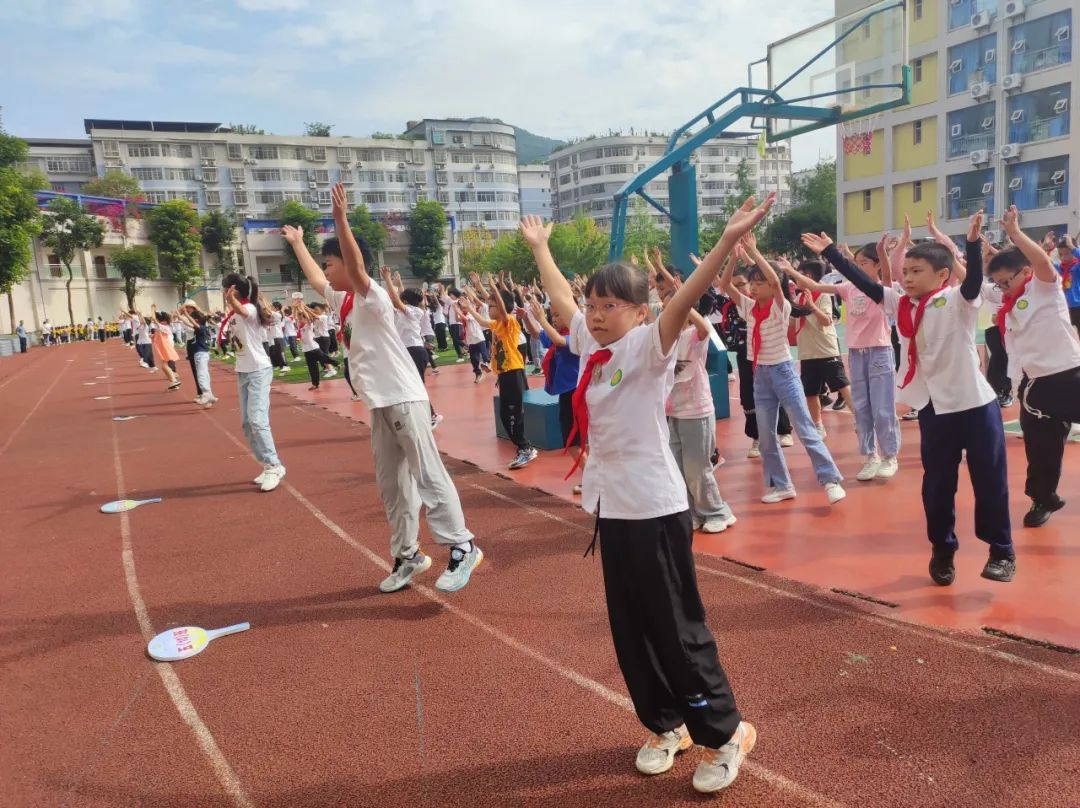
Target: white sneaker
x,y
821,430
835,492
719,767
658,754
259,480
330,373
889,467
283,371
778,495
436,419
272,478
297,359
870,469
787,440
718,525
754,451
459,570
198,400
143,364
404,570
355,397
459,360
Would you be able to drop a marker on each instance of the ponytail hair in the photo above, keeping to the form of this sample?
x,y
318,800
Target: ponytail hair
x,y
248,286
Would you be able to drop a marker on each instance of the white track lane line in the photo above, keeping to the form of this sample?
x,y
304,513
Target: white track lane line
x,y
22,423
777,781
184,706
889,622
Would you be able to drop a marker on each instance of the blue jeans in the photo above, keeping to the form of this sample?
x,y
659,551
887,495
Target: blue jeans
x,y
778,386
255,414
873,391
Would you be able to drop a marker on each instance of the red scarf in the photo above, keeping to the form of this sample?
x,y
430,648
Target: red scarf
x,y
1007,304
224,323
343,318
760,315
802,301
908,329
581,406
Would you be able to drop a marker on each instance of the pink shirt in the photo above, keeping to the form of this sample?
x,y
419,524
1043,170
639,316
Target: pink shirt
x,y
867,326
691,397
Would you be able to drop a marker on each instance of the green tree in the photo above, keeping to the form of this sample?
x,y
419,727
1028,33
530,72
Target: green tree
x,y
512,255
744,187
317,129
217,230
579,247
427,229
476,248
813,210
297,214
19,217
365,226
245,129
67,229
115,184
643,233
174,230
383,136
134,263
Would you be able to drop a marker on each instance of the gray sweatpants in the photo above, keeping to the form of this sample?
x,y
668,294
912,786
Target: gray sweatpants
x,y
692,441
409,472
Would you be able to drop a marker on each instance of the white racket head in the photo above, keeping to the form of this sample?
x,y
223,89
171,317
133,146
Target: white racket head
x,y
120,505
126,417
178,643
102,398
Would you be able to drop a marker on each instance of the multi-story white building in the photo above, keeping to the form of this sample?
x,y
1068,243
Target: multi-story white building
x,y
586,175
991,123
535,183
69,164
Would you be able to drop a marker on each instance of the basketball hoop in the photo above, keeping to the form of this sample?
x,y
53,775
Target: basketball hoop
x,y
858,135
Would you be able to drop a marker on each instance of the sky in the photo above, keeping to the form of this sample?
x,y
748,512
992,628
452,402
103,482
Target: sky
x,y
561,68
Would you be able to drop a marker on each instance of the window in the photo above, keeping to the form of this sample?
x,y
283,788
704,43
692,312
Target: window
x,y
464,196
1041,43
55,267
236,175
485,176
344,154
295,196
592,171
1039,115
371,176
209,175
916,191
508,178
179,173
268,197
324,197
917,9
619,168
67,165
234,151
619,151
263,152
485,196
969,192
157,197
318,154
240,197
368,154
350,197
213,197
322,175
867,201
916,133
397,176
972,63
1039,184
961,11
101,272
206,150
266,175
461,157
481,139
397,198
110,148
503,196
377,198
144,150
176,150
294,175
971,129
147,174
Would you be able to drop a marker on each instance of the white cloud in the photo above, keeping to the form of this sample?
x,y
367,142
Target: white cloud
x,y
271,5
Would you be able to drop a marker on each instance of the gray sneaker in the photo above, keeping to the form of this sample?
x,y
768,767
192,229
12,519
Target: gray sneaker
x,y
403,572
461,566
524,457
719,767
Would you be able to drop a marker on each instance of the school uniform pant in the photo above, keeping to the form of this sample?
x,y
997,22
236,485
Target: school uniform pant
x,y
324,346
201,361
348,373
316,359
409,472
776,385
254,389
977,433
127,337
1049,406
512,387
195,374
332,341
665,651
692,441
873,392
997,362
477,354
277,353
440,335
294,349
746,400
536,348
457,335
22,344
101,335
419,356
146,353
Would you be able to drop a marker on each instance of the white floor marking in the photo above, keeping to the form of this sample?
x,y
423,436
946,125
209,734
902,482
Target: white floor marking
x,y
22,423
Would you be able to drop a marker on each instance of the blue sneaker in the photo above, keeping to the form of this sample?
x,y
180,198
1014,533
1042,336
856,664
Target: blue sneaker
x,y
461,566
524,457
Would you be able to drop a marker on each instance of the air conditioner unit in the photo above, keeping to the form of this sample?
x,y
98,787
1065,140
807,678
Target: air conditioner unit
x,y
208,162
312,184
993,236
440,165
980,89
980,19
470,185
401,165
1012,81
1010,151
989,55
1016,183
359,165
314,205
979,157
251,162
491,166
1014,8
1019,46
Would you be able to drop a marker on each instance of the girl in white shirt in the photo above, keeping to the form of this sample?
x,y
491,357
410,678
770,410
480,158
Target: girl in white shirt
x,y
665,650
276,333
247,316
409,319
766,310
288,331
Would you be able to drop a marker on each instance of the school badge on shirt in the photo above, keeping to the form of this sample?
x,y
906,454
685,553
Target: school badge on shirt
x,y
615,379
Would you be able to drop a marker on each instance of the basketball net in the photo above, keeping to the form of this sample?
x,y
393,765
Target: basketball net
x,y
858,135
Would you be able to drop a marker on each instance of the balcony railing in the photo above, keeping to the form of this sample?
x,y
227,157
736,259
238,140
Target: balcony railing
x,y
965,208
963,145
1052,196
1030,61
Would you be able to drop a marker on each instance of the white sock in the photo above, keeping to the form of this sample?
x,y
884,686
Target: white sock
x,y
465,546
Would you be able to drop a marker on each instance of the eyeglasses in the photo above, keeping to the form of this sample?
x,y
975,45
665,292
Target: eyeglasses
x,y
1001,287
607,308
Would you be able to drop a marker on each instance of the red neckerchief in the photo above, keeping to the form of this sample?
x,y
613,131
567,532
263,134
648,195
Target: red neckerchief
x,y
908,328
760,315
802,302
581,406
1007,303
343,317
224,323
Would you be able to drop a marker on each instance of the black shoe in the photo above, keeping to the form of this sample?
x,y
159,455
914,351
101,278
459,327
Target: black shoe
x,y
838,404
1000,569
942,570
1005,400
1039,514
825,399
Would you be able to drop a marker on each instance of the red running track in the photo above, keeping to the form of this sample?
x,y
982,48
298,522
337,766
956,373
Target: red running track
x,y
505,694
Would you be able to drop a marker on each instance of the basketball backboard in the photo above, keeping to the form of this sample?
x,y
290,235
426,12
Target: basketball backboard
x,y
851,66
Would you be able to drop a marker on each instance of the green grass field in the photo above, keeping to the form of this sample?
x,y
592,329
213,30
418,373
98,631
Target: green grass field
x,y
298,369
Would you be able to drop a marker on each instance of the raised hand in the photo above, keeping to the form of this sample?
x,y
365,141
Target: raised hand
x,y
695,260
746,218
1011,221
534,231
293,235
385,272
883,247
845,251
337,196
816,244
475,278
975,226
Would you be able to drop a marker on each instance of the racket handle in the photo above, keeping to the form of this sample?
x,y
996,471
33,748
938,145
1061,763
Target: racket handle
x,y
221,632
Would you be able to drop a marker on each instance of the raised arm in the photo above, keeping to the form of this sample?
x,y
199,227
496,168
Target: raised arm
x,y
823,245
557,339
469,310
686,296
972,279
391,289
1040,260
536,235
771,278
724,284
350,250
312,271
700,324
232,299
940,237
803,281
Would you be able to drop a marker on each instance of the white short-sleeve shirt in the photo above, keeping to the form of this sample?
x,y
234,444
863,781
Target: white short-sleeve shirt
x,y
307,338
630,473
409,324
774,329
1039,338
382,371
274,328
322,325
947,369
248,334
288,327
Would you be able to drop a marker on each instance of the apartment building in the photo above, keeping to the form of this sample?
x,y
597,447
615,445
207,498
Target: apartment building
x,y
991,124
535,183
68,163
586,175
